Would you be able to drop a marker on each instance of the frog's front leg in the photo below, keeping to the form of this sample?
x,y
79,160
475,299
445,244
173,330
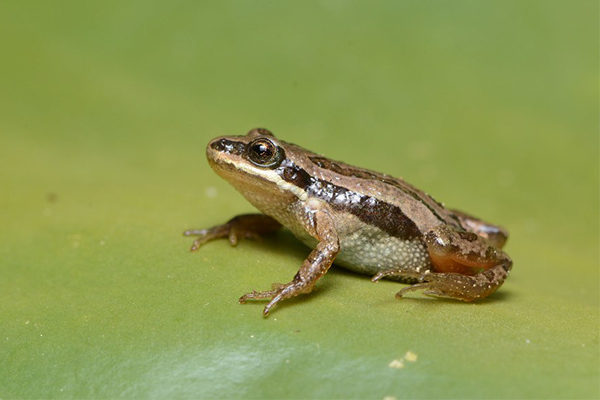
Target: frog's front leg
x,y
465,266
242,226
319,224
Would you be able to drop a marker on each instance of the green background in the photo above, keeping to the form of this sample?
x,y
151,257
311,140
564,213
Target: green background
x,y
105,111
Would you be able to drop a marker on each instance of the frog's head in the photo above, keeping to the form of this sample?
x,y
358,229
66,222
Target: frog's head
x,y
261,167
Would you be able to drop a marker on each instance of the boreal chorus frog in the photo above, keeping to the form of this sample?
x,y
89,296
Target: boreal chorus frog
x,y
365,221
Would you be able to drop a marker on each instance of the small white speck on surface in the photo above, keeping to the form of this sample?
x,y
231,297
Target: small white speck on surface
x,y
251,336
527,341
410,356
211,192
102,243
390,398
396,364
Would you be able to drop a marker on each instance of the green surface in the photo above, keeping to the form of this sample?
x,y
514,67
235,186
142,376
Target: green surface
x,y
105,110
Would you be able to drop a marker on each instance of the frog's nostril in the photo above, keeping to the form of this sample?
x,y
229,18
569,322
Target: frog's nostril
x,y
219,145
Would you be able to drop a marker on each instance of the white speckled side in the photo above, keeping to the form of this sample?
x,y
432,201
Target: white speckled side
x,y
368,250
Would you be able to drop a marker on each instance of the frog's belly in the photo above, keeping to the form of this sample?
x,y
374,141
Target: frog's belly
x,y
369,250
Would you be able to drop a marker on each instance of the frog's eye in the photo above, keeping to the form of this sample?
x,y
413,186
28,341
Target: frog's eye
x,y
264,153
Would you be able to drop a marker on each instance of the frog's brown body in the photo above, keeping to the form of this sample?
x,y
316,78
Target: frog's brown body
x,y
368,222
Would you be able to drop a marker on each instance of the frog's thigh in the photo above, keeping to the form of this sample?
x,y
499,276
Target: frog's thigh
x,y
495,234
454,255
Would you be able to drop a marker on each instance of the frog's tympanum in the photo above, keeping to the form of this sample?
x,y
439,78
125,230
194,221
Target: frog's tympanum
x,y
365,221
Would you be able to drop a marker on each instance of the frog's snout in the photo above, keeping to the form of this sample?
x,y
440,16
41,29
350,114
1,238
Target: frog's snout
x,y
225,148
218,144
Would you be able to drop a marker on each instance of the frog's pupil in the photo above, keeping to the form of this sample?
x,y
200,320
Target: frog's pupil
x,y
263,151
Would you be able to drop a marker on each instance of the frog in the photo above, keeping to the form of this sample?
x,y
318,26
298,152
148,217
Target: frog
x,y
367,222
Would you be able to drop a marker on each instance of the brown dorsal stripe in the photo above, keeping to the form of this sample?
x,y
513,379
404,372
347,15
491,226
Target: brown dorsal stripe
x,y
370,210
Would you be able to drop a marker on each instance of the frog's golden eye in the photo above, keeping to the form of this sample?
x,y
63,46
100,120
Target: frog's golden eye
x,y
264,153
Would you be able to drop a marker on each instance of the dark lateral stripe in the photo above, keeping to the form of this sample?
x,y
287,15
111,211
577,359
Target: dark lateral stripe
x,y
370,210
229,146
325,163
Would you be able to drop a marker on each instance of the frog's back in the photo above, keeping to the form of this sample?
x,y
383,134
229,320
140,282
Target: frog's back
x,y
376,198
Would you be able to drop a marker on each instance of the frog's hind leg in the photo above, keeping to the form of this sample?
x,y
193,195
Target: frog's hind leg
x,y
458,286
456,257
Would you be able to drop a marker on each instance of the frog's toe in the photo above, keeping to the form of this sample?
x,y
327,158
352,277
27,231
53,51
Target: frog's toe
x,y
417,286
198,243
379,276
206,235
195,232
274,295
232,237
254,295
403,273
